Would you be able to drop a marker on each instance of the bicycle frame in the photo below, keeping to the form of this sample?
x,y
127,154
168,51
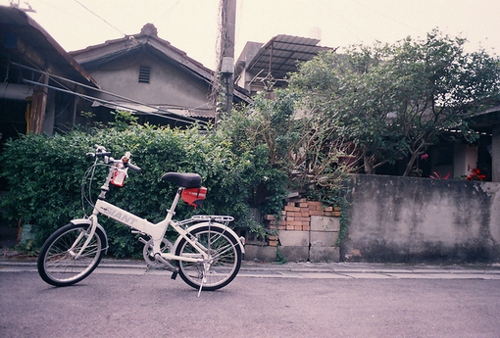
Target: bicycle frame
x,y
155,230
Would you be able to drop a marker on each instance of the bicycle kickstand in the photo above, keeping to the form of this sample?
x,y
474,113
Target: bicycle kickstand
x,y
204,279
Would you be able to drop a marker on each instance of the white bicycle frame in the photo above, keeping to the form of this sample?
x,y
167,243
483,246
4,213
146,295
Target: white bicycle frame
x,y
156,231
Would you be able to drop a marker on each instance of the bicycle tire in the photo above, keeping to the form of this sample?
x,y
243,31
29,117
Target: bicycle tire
x,y
226,254
56,262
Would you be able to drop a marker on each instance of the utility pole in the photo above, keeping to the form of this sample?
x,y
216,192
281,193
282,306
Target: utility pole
x,y
226,65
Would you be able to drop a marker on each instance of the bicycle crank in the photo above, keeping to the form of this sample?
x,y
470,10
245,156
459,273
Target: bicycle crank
x,y
151,260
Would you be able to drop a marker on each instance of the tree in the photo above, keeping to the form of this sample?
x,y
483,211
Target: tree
x,y
393,101
296,144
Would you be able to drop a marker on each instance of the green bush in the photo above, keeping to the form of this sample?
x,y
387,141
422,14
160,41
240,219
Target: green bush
x,y
44,178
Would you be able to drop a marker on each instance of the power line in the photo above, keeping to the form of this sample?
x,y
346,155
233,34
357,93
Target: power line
x,y
166,113
106,22
385,16
166,11
118,104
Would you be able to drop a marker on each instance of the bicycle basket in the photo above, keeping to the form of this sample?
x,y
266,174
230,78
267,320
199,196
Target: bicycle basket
x,y
194,196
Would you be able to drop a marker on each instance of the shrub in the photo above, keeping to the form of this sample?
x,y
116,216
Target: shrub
x,y
44,178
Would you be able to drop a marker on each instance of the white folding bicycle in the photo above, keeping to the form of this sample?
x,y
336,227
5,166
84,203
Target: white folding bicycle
x,y
207,253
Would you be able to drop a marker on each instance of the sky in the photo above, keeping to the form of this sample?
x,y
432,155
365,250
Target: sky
x,y
192,25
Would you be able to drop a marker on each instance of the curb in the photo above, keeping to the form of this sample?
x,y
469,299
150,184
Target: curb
x,y
305,268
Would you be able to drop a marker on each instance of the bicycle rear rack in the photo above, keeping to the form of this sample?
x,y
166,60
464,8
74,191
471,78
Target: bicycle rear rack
x,y
204,218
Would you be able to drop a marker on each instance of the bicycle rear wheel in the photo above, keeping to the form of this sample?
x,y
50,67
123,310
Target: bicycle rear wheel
x,y
61,261
222,265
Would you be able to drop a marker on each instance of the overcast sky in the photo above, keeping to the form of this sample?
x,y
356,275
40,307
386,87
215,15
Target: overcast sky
x,y
192,25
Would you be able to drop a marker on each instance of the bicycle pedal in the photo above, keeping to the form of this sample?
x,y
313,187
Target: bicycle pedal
x,y
174,275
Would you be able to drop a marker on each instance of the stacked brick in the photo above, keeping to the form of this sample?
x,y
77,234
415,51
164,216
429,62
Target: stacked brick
x,y
296,216
270,224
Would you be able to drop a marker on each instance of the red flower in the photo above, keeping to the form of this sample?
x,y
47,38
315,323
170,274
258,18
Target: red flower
x,y
475,175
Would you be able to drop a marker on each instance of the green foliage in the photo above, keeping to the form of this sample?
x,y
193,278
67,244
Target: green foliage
x,y
44,176
294,144
123,119
393,101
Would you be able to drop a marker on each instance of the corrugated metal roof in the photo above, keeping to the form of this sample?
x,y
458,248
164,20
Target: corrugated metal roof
x,y
281,54
139,108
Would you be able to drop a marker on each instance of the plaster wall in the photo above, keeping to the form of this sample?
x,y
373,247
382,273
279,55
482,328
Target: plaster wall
x,y
401,219
465,159
168,86
495,154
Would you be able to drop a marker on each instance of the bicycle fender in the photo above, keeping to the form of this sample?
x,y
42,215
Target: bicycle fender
x,y
226,228
82,221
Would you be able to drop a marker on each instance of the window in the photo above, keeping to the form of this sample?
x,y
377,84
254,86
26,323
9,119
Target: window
x,y
144,72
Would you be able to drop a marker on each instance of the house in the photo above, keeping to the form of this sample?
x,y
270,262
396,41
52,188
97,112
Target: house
x,y
455,158
487,154
263,66
38,78
146,75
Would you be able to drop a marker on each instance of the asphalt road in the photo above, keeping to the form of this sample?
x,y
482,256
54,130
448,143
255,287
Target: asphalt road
x,y
124,304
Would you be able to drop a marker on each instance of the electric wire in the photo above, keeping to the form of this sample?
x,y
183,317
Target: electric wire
x,y
171,115
106,22
385,16
166,11
53,77
92,99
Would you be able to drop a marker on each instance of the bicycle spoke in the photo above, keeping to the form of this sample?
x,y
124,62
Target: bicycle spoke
x,y
221,265
57,262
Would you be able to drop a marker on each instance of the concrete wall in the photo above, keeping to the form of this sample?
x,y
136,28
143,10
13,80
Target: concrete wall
x,y
401,219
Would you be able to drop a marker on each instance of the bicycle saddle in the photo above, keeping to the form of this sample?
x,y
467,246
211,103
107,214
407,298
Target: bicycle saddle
x,y
185,180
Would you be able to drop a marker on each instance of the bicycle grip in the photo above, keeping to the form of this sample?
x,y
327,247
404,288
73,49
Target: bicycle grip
x,y
103,154
133,167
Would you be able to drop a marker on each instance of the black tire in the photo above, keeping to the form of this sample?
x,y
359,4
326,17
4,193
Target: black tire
x,y
56,262
225,253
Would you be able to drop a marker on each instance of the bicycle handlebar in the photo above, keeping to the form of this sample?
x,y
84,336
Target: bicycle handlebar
x,y
103,154
133,167
100,151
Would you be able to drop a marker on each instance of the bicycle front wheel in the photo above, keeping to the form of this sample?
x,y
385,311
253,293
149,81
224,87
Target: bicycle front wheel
x,y
62,261
222,264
